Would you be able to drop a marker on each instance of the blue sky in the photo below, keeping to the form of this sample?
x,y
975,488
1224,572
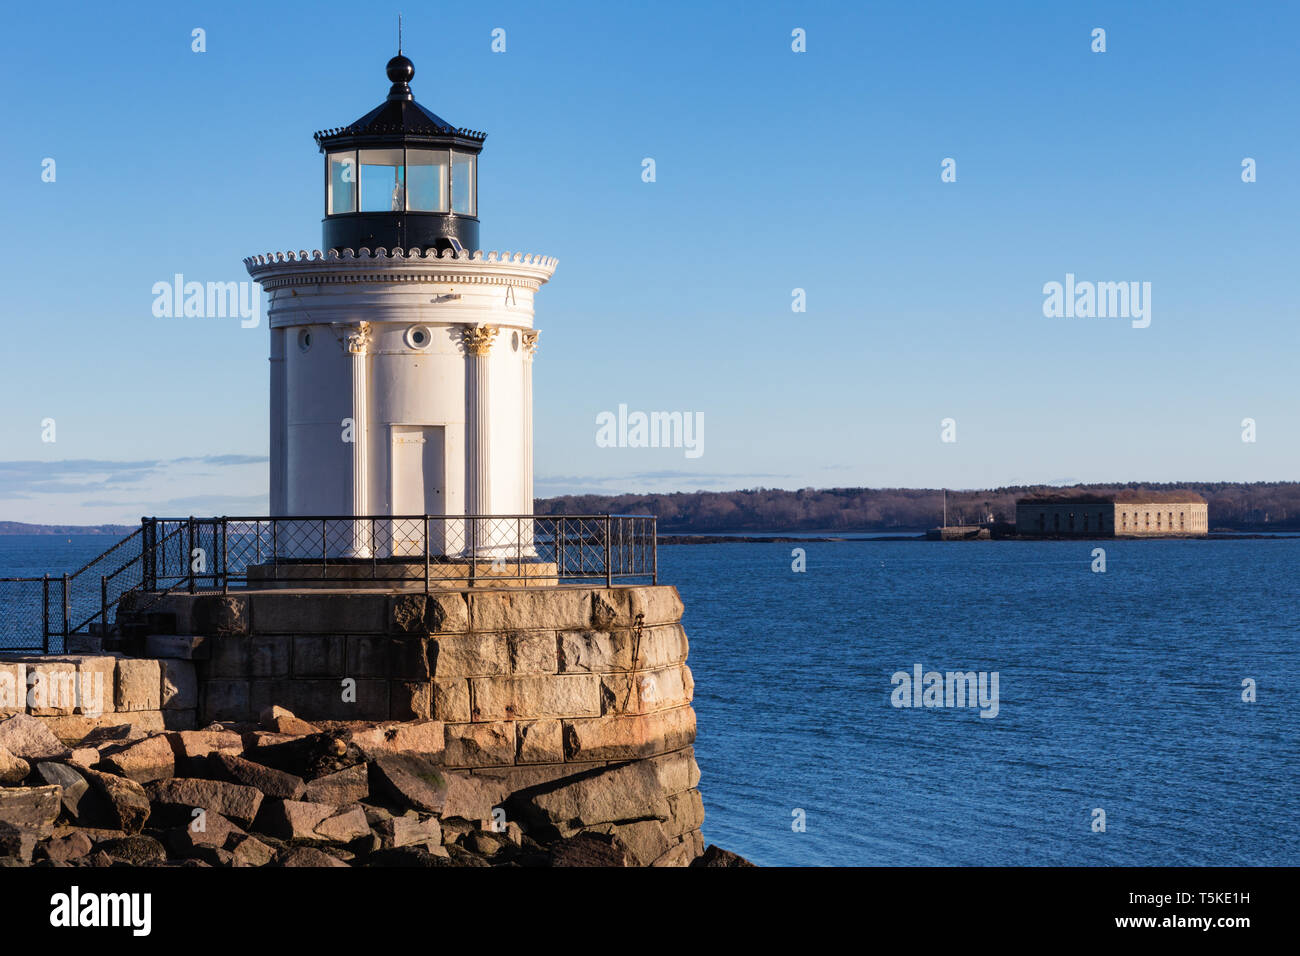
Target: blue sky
x,y
775,170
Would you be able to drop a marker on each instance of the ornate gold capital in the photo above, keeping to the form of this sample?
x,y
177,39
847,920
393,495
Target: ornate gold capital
x,y
530,342
477,339
356,340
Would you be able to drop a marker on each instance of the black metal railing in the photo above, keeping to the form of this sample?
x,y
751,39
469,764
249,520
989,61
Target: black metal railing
x,y
217,554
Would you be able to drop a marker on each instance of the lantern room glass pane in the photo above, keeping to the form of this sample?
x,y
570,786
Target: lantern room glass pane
x,y
462,183
342,183
383,180
426,180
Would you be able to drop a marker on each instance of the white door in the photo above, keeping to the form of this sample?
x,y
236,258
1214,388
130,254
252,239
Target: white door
x,y
416,478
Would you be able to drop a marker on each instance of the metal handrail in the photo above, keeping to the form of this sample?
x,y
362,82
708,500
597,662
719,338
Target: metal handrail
x,y
406,549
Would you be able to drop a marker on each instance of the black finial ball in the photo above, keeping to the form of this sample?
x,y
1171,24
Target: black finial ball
x,y
400,69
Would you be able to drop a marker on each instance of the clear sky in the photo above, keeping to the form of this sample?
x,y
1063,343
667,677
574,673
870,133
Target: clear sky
x,y
775,171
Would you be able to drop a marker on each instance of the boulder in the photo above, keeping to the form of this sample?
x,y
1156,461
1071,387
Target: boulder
x,y
283,721
715,856
144,761
232,800
138,849
250,851
344,827
340,789
127,803
13,770
589,849
614,795
293,819
73,846
27,737
82,804
411,781
195,840
472,798
194,745
273,783
30,808
407,856
308,856
408,830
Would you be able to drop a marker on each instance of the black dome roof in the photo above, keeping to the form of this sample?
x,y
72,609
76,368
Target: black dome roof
x,y
400,120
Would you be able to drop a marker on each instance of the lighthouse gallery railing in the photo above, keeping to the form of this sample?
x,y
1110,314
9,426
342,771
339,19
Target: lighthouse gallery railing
x,y
165,555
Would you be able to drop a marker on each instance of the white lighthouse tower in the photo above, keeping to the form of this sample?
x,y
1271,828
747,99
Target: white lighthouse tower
x,y
401,355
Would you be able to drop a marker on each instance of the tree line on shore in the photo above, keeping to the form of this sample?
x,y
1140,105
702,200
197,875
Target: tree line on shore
x,y
1265,505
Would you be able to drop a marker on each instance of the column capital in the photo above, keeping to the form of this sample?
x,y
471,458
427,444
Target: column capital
x,y
477,339
356,340
530,343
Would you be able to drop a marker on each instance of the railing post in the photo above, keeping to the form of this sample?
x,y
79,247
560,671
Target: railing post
x,y
324,546
45,613
103,607
189,554
519,548
67,610
473,549
559,548
225,560
275,547
654,550
426,554
609,566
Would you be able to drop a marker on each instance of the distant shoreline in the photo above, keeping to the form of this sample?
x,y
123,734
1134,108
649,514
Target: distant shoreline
x,y
861,538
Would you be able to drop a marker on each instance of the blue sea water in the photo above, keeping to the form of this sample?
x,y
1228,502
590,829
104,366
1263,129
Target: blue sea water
x,y
1118,691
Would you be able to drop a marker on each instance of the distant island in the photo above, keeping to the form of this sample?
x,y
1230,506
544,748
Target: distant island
x,y
1233,506
20,527
1262,506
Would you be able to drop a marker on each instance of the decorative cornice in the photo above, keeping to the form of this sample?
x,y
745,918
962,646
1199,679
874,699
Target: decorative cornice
x,y
279,269
477,339
272,258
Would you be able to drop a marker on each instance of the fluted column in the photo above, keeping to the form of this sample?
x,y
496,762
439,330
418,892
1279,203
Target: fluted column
x,y
478,446
278,431
355,342
530,350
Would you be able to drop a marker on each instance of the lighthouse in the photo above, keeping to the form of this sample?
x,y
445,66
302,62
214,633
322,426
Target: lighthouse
x,y
401,354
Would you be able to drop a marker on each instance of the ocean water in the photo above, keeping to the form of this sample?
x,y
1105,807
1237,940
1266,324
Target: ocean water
x,y
1118,691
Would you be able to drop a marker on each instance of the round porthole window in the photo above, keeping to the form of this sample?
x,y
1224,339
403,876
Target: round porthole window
x,y
418,337
514,341
304,339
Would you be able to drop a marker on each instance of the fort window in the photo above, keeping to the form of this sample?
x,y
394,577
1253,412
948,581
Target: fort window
x,y
1180,521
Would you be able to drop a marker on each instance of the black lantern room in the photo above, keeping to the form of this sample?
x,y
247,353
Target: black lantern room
x,y
401,177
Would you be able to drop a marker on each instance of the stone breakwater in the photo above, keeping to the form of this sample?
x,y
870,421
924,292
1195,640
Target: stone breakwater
x,y
343,727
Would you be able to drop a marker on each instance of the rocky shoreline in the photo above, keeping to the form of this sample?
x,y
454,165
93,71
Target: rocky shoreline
x,y
286,793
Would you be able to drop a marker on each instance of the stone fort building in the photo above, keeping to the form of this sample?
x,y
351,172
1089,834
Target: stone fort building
x,y
1124,514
